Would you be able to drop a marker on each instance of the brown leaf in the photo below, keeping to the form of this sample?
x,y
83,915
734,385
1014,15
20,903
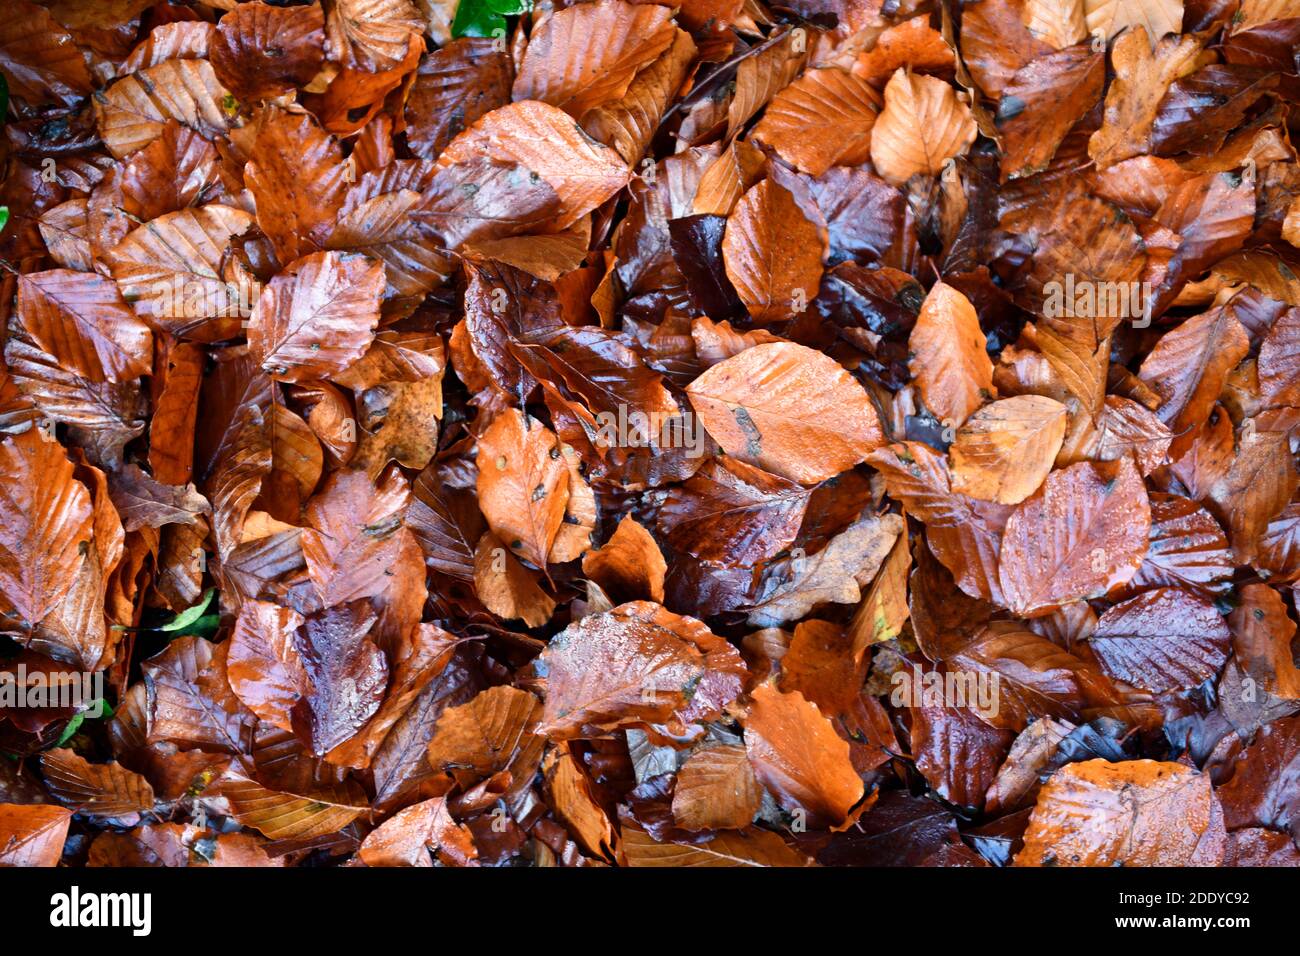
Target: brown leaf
x,y
733,514
1256,487
190,700
455,85
544,139
1113,16
264,667
50,521
143,502
954,750
523,484
347,676
1187,549
1058,22
882,613
965,534
573,796
493,732
171,431
81,319
298,179
585,56
922,126
1142,77
1134,813
716,790
1188,368
406,838
820,663
1005,450
1043,101
135,110
1261,638
506,587
371,35
837,573
789,410
1033,676
1261,791
822,119
798,757
32,834
1081,534
356,535
1018,778
1161,640
287,816
948,357
772,253
910,43
747,848
171,269
317,317
97,790
1127,428
636,664
262,51
629,567
40,58
629,124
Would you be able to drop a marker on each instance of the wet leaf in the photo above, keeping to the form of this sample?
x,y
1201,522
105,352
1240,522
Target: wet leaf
x,y
1134,813
788,410
1083,533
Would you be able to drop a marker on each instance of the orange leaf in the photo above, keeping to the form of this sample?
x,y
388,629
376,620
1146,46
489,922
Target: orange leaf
x,y
788,409
799,758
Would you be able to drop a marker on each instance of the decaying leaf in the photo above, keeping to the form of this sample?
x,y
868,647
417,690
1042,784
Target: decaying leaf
x,y
788,410
1134,813
609,433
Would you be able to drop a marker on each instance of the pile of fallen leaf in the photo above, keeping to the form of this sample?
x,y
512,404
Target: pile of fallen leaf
x,y
337,342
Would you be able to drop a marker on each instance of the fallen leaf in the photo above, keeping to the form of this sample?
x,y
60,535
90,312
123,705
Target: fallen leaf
x,y
787,409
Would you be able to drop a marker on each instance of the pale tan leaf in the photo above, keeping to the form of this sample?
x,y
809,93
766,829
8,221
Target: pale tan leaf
x,y
1005,450
1157,17
134,111
1058,22
1142,77
922,126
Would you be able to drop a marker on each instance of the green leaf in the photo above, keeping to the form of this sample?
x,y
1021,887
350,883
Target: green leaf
x,y
189,616
99,709
482,18
4,216
73,726
205,626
